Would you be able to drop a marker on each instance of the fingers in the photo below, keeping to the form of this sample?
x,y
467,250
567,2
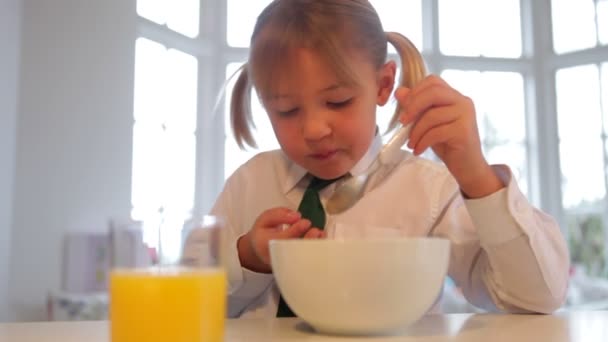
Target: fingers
x,y
267,228
284,223
429,95
315,233
302,229
296,230
431,81
426,132
432,137
433,104
401,94
277,216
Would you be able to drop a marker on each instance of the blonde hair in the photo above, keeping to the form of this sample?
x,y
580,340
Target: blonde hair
x,y
333,29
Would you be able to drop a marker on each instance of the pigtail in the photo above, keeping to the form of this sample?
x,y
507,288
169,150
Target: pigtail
x,y
241,119
413,69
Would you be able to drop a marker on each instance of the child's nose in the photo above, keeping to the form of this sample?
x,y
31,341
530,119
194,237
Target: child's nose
x,y
315,127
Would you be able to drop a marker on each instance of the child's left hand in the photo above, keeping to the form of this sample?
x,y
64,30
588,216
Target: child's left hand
x,y
445,121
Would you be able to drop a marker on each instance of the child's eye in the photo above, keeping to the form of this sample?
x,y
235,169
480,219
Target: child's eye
x,y
339,104
287,112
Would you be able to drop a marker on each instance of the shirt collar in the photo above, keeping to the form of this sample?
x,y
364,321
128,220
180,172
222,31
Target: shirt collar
x,y
369,156
296,173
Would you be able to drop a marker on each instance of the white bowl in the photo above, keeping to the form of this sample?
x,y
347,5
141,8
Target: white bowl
x,y
360,287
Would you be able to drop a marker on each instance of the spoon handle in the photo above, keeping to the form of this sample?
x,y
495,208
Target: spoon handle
x,y
390,151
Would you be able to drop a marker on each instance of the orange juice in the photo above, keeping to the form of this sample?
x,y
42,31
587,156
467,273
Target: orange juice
x,y
159,304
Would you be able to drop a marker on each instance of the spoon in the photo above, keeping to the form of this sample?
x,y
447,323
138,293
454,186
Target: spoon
x,y
351,190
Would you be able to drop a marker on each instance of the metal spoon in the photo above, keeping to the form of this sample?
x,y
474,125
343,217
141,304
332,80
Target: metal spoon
x,y
352,189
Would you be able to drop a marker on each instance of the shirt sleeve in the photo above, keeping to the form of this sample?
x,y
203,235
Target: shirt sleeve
x,y
506,255
245,287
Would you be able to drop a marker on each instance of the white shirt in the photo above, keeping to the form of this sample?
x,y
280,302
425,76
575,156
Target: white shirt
x,y
505,254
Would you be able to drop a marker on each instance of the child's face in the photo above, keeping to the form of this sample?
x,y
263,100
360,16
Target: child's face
x,y
323,125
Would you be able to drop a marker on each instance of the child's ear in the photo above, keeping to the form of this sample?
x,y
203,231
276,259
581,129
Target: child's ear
x,y
386,81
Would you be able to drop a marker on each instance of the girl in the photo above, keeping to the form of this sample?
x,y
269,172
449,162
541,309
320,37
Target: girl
x,y
320,69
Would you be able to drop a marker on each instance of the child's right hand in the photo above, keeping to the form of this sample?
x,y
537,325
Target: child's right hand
x,y
272,224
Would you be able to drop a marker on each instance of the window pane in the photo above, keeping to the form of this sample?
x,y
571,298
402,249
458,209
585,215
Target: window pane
x,y
181,90
505,118
587,248
180,16
403,16
582,166
480,28
177,182
263,133
457,31
180,127
578,102
164,141
153,10
165,85
604,88
573,25
504,122
148,96
242,15
580,128
183,16
513,155
602,21
501,124
500,28
499,121
146,169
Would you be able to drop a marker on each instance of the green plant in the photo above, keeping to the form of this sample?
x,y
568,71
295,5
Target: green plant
x,y
587,243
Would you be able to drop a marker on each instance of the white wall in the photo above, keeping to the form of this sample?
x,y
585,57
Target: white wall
x,y
10,21
73,155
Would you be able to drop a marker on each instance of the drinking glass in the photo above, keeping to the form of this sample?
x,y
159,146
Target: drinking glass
x,y
177,299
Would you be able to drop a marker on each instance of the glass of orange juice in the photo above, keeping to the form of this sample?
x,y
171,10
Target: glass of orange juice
x,y
175,300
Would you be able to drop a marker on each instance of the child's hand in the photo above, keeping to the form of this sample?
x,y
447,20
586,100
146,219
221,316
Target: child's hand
x,y
445,121
272,224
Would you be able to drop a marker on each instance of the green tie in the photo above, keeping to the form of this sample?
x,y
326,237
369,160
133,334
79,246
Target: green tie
x,y
311,209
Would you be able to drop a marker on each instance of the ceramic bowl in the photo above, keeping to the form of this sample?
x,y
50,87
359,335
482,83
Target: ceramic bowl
x,y
360,286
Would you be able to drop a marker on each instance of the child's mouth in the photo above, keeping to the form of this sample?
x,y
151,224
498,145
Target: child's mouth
x,y
324,155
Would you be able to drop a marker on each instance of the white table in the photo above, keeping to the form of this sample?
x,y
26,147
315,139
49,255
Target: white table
x,y
588,326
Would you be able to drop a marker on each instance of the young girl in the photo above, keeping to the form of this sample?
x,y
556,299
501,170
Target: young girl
x,y
320,69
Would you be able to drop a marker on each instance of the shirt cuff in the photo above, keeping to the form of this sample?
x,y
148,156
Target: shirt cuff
x,y
243,282
502,216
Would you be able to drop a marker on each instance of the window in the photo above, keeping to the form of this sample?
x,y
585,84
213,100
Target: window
x,y
581,84
403,16
496,33
602,21
164,130
583,155
580,129
241,20
501,124
578,23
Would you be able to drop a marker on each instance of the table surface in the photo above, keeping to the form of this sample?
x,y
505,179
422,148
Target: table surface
x,y
588,326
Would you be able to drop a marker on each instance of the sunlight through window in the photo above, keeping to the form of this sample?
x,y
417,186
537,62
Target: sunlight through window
x,y
164,139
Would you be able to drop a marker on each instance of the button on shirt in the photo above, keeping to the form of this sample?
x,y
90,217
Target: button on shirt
x,y
506,255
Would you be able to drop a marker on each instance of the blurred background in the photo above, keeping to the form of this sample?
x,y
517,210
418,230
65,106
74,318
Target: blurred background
x,y
113,123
